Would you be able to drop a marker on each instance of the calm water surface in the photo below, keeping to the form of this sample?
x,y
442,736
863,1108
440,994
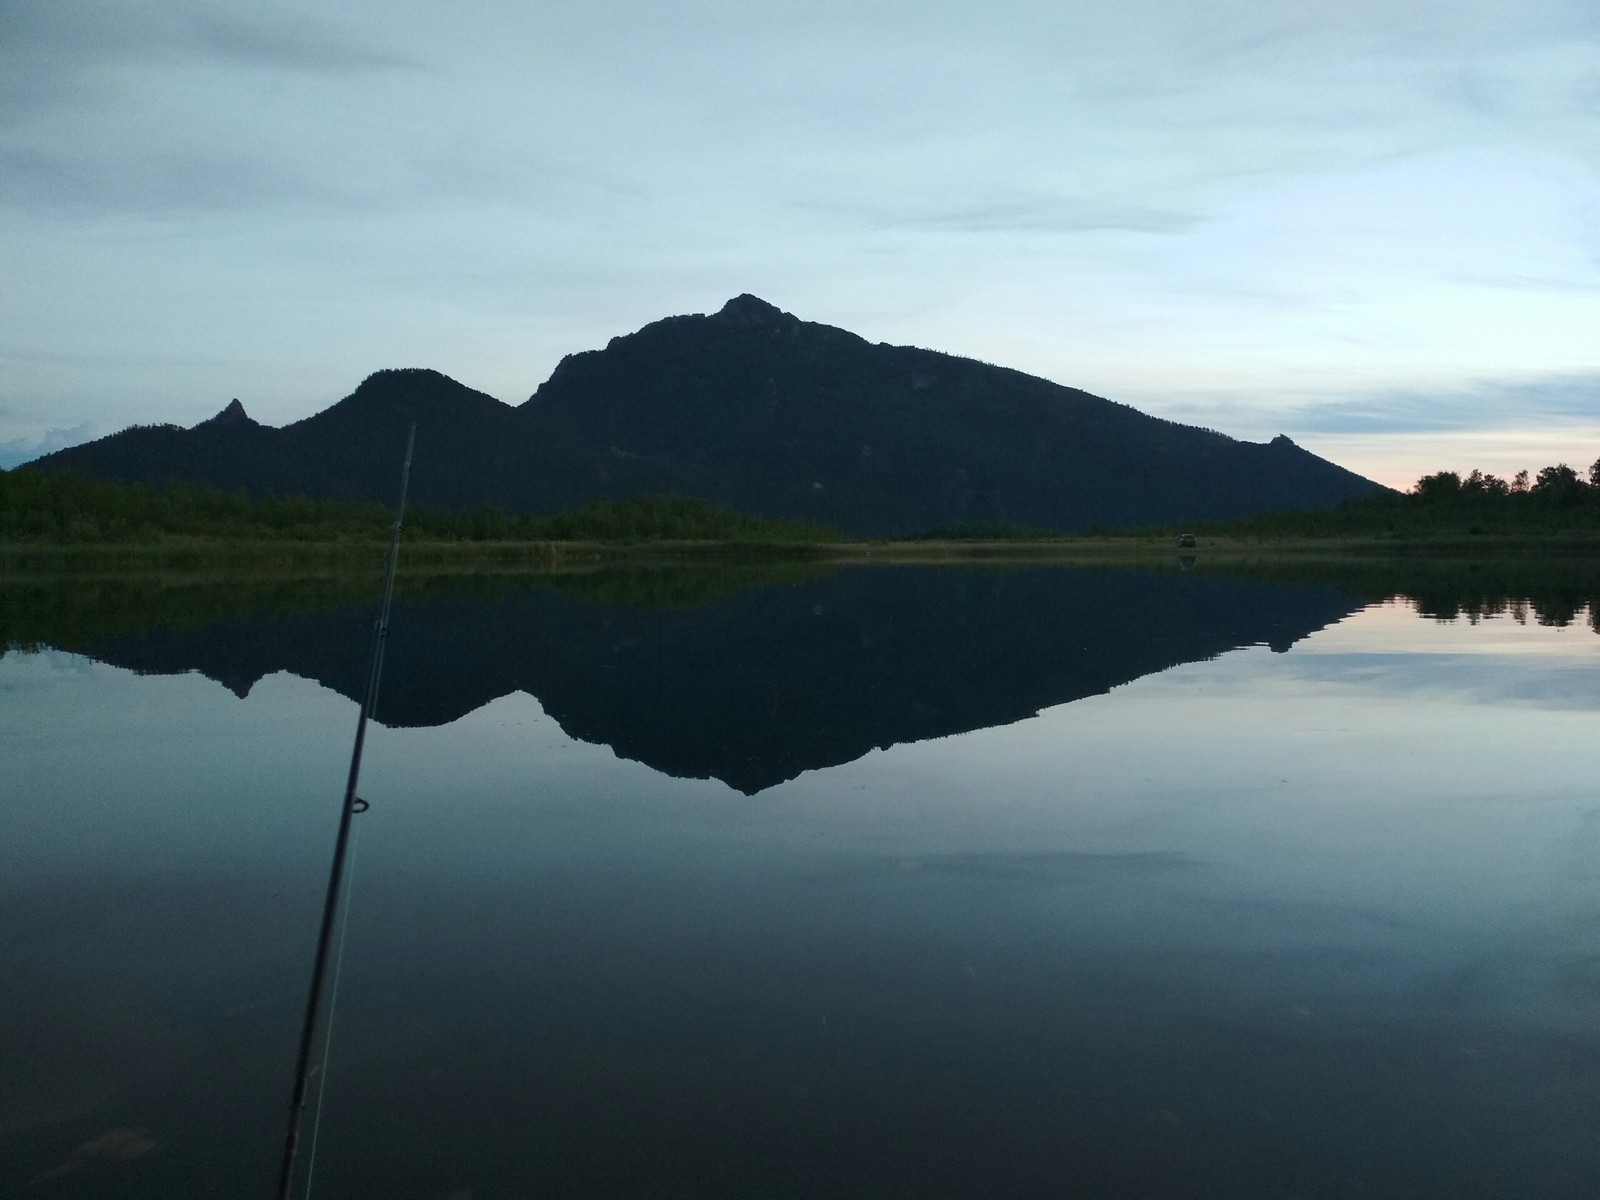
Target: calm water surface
x,y
908,882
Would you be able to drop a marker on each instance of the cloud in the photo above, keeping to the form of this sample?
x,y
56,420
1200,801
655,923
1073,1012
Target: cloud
x,y
19,450
1484,406
160,183
1400,459
1546,683
1488,405
1397,435
56,55
300,43
1017,214
95,33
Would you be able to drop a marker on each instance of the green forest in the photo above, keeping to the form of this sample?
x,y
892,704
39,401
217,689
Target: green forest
x,y
66,509
1556,501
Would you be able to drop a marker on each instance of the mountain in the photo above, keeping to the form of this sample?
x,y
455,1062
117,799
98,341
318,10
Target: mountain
x,y
755,408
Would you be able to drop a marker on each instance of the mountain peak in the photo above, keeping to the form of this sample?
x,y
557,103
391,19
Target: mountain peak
x,y
746,309
395,377
233,414
416,394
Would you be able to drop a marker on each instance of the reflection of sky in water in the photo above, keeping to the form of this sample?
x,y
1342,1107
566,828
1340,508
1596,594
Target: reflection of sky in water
x,y
1389,832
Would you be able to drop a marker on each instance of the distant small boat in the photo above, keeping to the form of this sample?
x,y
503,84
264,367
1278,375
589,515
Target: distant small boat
x,y
1186,541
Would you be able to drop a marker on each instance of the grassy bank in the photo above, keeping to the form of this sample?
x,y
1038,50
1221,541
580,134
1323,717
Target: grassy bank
x,y
1222,547
423,554
359,556
60,522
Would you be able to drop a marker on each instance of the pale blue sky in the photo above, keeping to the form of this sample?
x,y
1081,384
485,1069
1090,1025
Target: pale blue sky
x,y
1374,226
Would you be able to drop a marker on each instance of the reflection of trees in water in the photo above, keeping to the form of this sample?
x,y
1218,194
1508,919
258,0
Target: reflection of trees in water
x,y
1554,591
64,609
1556,612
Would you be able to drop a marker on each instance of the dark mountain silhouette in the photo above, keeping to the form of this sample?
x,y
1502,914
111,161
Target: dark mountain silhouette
x,y
757,409
759,686
233,414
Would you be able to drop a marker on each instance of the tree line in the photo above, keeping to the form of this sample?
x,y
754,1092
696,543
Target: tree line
x,y
66,508
1555,500
1558,486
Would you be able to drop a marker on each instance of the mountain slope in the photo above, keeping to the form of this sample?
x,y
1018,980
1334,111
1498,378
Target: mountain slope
x,y
806,420
752,407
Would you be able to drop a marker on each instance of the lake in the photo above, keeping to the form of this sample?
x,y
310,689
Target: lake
x,y
900,881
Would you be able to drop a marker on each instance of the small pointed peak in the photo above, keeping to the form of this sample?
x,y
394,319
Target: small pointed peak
x,y
233,414
1283,442
746,309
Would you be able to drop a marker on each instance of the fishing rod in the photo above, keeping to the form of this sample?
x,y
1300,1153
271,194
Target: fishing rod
x,y
353,804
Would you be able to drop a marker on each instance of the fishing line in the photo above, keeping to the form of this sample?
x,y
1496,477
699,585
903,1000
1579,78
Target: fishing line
x,y
333,1005
353,804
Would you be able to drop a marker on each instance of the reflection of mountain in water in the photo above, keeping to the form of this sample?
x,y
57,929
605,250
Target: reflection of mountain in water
x,y
756,687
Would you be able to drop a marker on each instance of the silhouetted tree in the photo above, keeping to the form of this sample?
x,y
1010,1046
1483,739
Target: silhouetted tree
x,y
1444,485
1559,485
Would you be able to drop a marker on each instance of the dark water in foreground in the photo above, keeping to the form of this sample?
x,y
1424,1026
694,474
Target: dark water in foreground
x,y
908,882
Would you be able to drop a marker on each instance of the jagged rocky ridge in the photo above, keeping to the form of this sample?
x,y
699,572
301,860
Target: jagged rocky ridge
x,y
753,408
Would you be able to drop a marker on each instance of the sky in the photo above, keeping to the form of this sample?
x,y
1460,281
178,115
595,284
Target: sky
x,y
1372,225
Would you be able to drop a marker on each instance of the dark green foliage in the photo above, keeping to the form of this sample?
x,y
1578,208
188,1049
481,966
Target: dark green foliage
x,y
671,518
65,509
638,519
987,531
1558,502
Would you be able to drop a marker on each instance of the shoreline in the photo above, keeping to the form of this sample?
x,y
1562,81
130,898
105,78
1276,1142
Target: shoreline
x,y
204,553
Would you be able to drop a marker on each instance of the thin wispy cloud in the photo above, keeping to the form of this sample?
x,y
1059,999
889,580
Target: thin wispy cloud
x,y
1485,405
98,34
1006,214
284,43
161,185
